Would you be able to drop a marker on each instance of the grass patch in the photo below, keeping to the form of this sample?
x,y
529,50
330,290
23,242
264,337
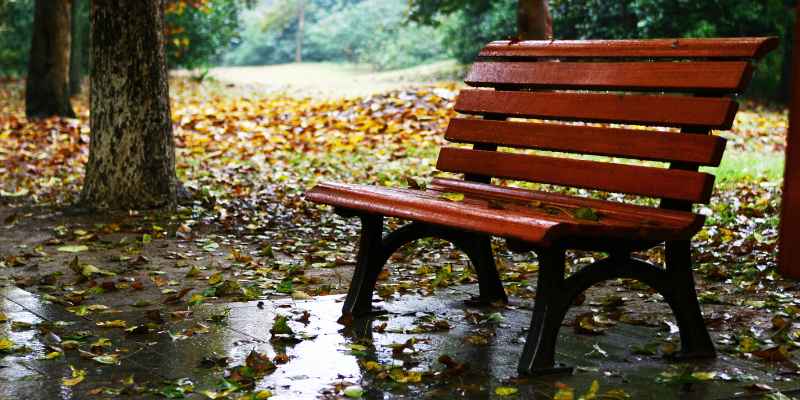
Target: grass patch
x,y
738,166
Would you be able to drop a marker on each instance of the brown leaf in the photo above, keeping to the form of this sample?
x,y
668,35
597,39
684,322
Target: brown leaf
x,y
175,298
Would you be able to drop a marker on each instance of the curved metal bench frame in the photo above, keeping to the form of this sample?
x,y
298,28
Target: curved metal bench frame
x,y
555,293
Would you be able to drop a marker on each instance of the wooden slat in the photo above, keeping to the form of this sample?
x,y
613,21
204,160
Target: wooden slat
x,y
679,221
637,180
613,142
507,212
755,47
515,219
722,76
426,207
715,113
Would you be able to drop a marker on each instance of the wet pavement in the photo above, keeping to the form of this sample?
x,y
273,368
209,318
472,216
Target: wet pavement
x,y
180,354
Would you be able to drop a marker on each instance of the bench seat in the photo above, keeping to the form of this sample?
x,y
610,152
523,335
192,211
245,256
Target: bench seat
x,y
540,218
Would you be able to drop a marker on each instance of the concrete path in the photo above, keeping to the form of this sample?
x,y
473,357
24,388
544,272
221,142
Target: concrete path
x,y
179,353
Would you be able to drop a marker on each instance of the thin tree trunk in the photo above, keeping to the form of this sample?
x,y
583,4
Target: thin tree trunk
x,y
301,21
76,49
789,252
132,151
47,84
533,20
789,39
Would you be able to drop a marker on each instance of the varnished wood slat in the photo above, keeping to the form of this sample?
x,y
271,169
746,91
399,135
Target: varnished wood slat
x,y
631,179
613,142
722,76
516,219
755,47
676,219
665,110
419,206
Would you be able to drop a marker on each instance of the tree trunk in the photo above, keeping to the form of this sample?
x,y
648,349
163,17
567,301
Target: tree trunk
x,y
789,252
789,39
533,20
47,84
76,49
301,21
132,152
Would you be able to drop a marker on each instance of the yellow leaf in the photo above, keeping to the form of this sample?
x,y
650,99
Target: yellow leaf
x,y
73,248
400,375
704,376
263,394
6,344
78,375
110,359
505,391
117,323
591,394
452,196
53,355
215,278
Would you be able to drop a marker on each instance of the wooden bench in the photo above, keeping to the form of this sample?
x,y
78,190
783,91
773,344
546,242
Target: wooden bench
x,y
686,84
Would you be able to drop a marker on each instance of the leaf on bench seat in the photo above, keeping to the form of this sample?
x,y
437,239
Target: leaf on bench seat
x,y
452,196
586,213
413,184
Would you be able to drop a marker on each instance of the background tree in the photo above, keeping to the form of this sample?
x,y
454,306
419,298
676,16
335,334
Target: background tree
x,y
198,32
16,27
79,23
533,20
47,85
132,151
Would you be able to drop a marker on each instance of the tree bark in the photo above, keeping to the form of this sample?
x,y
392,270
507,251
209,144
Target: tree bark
x,y
132,151
47,84
788,251
533,20
76,49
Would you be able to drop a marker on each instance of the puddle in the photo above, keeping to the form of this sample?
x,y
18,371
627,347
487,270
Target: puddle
x,y
332,354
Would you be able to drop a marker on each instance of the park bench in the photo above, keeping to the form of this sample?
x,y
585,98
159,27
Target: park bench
x,y
567,87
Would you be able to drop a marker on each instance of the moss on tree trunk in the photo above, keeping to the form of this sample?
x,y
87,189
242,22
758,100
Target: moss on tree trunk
x,y
132,151
47,84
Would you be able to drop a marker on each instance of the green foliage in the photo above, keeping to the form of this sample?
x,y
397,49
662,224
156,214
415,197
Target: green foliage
x,y
372,32
468,24
16,25
597,19
467,30
375,33
198,33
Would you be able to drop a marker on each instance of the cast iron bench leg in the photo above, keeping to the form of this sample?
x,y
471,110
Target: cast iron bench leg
x,y
695,341
479,250
538,355
369,263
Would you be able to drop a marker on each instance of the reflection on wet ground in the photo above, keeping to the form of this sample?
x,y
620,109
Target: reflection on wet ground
x,y
481,345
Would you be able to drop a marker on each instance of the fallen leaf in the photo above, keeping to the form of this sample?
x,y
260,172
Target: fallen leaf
x,y
78,375
73,248
505,391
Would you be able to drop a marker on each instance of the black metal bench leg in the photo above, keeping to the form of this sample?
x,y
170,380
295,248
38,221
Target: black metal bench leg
x,y
479,251
538,355
369,262
695,340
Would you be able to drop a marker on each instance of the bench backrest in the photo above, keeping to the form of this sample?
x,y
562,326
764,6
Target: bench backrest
x,y
680,83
